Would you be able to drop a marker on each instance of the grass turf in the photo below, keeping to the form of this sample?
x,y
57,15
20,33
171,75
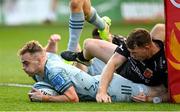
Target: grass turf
x,y
13,98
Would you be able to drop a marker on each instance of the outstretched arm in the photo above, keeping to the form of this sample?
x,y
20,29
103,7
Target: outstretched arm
x,y
156,95
115,61
52,45
68,96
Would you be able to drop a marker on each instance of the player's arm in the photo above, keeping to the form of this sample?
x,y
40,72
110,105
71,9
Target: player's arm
x,y
155,99
155,94
159,98
52,45
68,96
115,61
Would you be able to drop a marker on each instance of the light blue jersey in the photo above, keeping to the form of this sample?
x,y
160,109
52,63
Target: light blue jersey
x,y
57,73
61,76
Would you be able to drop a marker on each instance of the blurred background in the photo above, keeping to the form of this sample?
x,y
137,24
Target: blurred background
x,y
19,12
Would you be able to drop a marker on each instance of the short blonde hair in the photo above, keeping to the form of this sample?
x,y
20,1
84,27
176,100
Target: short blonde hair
x,y
31,47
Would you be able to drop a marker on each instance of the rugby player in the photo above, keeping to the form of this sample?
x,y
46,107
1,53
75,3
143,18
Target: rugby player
x,y
71,83
140,59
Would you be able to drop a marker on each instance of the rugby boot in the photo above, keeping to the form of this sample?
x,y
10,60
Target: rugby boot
x,y
75,56
104,34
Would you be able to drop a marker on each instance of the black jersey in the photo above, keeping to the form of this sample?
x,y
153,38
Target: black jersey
x,y
151,72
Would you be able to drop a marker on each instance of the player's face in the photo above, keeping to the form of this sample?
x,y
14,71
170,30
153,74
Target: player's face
x,y
30,64
139,53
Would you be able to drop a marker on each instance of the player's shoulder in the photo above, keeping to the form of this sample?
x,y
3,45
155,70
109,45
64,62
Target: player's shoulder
x,y
54,66
118,39
53,61
159,42
53,57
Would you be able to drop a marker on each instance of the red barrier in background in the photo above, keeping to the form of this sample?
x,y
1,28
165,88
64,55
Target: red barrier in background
x,y
172,13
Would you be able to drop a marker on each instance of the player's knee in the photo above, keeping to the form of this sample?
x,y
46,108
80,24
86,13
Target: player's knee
x,y
76,5
88,43
158,32
159,26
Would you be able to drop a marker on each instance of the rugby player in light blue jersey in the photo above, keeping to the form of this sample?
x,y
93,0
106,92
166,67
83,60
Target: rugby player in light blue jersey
x,y
71,83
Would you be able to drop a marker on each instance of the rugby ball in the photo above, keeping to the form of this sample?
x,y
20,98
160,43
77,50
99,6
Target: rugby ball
x,y
45,88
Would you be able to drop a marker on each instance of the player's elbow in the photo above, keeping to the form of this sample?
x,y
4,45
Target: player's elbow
x,y
75,99
71,95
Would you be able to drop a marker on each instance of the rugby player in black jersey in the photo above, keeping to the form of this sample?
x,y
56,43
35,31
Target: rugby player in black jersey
x,y
140,59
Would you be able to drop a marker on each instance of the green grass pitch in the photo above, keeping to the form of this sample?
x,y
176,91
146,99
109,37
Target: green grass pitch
x,y
15,98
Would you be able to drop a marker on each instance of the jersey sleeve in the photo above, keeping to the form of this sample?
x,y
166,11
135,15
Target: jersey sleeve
x,y
60,80
122,49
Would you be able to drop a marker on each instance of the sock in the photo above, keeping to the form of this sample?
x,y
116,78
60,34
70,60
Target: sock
x,y
76,23
96,20
81,56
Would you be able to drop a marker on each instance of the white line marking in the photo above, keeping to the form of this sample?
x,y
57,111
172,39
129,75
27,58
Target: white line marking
x,y
16,85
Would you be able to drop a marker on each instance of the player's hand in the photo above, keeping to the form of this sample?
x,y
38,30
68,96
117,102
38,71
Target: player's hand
x,y
35,95
103,97
141,97
55,38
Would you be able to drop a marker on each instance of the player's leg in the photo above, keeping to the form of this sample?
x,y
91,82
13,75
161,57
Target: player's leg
x,y
158,32
76,23
100,49
92,17
81,9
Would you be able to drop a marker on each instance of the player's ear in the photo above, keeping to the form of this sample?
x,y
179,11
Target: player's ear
x,y
40,56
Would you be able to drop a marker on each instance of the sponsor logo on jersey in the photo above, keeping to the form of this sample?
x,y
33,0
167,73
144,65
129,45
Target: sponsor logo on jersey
x,y
148,73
